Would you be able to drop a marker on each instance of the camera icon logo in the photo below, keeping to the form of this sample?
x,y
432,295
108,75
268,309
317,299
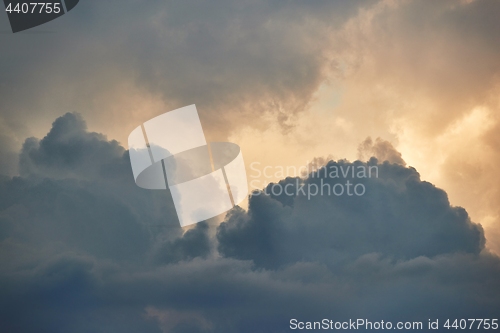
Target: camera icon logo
x,y
170,151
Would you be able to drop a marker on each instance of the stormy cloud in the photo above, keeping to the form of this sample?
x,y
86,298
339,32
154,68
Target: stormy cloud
x,y
88,250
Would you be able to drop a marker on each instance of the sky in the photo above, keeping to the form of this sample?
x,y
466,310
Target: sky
x,y
409,86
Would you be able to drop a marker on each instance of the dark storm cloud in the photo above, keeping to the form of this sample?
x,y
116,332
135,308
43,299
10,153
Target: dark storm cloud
x,y
83,249
69,150
399,216
227,295
194,243
67,197
9,156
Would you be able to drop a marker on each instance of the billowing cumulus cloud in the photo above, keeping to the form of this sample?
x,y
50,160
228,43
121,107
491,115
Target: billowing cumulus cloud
x,y
84,249
69,151
76,174
399,216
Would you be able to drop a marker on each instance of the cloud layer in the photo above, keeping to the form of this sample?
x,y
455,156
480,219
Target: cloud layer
x,y
84,249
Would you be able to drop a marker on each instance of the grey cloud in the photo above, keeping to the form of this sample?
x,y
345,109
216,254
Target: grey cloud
x,y
78,255
74,217
68,150
9,154
399,216
66,215
67,198
226,295
194,243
